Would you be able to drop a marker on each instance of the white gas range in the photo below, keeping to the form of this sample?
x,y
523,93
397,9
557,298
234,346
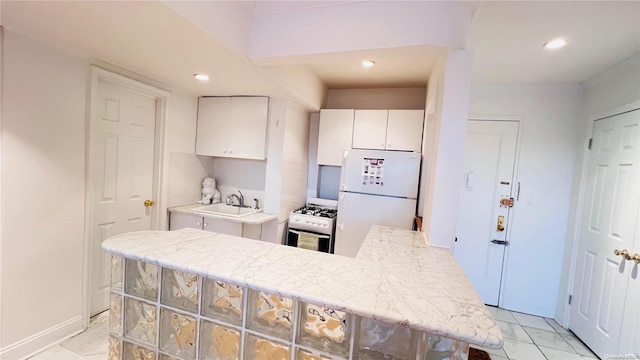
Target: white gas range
x,y
313,226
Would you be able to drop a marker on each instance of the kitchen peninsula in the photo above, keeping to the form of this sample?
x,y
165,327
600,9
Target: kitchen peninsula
x,y
194,294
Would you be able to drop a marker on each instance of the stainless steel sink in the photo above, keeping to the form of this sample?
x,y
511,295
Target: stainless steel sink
x,y
226,210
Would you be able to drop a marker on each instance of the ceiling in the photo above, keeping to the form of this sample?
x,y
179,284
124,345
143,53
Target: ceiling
x,y
168,42
507,39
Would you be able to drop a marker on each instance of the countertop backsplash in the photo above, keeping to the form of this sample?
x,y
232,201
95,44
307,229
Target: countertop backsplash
x,y
186,172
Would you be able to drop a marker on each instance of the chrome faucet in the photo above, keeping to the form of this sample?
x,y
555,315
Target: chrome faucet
x,y
239,198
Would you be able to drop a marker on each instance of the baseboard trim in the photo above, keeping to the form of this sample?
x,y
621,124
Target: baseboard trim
x,y
42,340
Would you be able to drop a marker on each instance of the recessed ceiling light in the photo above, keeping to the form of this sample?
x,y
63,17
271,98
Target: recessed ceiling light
x,y
556,44
201,77
368,63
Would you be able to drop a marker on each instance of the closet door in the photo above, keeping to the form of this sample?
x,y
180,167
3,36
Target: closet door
x,y
605,275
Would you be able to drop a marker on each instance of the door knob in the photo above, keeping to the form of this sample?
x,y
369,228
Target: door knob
x,y
148,203
500,226
624,253
636,258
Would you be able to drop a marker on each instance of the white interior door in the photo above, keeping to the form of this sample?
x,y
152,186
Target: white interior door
x,y
490,153
608,225
122,158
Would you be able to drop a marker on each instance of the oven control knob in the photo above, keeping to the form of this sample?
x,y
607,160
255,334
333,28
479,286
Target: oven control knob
x,y
325,224
307,221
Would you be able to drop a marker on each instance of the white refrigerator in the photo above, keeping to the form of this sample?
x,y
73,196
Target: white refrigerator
x,y
377,187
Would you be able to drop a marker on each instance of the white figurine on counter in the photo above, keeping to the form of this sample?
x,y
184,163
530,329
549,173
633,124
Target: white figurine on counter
x,y
210,195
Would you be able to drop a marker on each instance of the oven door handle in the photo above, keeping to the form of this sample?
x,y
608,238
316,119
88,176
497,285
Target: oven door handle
x,y
297,232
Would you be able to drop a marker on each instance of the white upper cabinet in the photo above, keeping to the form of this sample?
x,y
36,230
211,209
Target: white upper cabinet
x,y
334,135
388,129
232,127
370,129
404,130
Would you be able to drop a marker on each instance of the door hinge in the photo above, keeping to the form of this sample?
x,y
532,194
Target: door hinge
x,y
570,297
590,143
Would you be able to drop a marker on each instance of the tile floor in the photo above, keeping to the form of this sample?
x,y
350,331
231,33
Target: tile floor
x,y
92,344
526,337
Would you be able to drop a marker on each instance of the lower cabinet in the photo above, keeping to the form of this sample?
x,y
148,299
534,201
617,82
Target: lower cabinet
x,y
180,221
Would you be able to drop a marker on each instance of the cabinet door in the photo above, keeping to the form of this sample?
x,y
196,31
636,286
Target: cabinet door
x,y
222,226
214,130
249,135
232,127
181,221
404,130
252,231
334,135
370,129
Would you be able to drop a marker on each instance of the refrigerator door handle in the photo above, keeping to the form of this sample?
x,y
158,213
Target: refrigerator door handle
x,y
342,172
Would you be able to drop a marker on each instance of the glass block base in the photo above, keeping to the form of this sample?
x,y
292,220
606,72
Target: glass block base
x,y
178,334
379,340
179,317
259,348
135,352
218,342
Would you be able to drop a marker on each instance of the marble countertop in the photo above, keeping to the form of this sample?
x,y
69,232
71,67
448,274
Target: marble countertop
x,y
396,277
254,219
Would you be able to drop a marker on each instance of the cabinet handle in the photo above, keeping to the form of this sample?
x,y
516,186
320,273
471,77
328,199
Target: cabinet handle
x,y
206,224
224,151
230,151
382,144
389,145
198,223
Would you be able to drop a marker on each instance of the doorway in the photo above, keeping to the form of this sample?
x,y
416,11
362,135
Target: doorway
x,y
486,198
123,173
606,286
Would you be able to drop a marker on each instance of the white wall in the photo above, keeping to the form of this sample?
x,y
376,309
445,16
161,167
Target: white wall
x,y
286,174
1,77
614,88
550,116
295,155
381,98
359,25
445,158
43,141
432,112
312,172
186,170
43,194
218,17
